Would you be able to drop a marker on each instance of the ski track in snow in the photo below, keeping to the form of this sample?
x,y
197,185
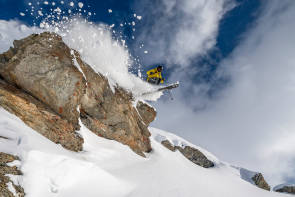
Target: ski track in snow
x,y
108,168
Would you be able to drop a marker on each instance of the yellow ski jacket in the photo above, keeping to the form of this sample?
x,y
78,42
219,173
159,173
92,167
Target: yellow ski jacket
x,y
154,73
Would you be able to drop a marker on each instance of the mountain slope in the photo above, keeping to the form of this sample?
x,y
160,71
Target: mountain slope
x,y
108,168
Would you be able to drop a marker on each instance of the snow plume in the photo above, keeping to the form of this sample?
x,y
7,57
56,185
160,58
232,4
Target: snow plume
x,y
97,44
252,123
105,54
178,31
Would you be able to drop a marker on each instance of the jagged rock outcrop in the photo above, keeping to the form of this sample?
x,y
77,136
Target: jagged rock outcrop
x,y
42,66
285,188
254,178
146,112
39,117
192,154
112,114
168,145
260,182
5,170
195,156
44,82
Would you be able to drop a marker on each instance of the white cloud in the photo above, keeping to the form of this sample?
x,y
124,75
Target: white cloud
x,y
252,123
13,30
182,29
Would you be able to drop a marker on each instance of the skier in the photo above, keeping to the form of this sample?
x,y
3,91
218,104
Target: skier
x,y
154,75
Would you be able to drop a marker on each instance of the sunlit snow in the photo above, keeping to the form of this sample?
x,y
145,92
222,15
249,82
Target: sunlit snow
x,y
108,168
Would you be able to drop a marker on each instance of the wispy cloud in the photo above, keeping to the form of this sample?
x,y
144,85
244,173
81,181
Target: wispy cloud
x,y
178,31
252,122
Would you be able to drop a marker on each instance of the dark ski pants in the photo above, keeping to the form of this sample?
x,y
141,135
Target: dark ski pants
x,y
154,80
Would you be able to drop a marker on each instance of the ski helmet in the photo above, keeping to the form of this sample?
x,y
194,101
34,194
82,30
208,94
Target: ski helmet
x,y
160,68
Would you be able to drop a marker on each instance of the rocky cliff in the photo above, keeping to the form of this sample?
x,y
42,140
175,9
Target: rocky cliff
x,y
49,87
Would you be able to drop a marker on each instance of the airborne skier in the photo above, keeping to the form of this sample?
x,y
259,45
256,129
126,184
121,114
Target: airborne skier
x,y
154,75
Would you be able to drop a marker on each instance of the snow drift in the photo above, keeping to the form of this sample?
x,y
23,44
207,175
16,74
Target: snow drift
x,y
107,168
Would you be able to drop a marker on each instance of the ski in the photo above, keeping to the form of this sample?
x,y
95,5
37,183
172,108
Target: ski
x,y
168,87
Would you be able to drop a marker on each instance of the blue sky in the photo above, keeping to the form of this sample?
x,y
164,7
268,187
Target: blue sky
x,y
232,26
231,58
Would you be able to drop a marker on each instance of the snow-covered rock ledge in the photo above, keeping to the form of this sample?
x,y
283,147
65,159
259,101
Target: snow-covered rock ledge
x,y
254,178
287,188
47,85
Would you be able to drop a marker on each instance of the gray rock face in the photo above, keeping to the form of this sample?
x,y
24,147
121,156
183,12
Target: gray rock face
x,y
254,178
39,117
260,182
147,113
192,154
42,85
4,180
42,65
289,189
195,156
168,145
112,115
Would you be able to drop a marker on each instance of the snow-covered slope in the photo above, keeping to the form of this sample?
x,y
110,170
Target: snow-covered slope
x,y
108,168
